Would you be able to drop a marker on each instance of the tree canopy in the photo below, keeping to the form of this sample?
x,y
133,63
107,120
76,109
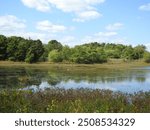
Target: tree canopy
x,y
27,50
3,47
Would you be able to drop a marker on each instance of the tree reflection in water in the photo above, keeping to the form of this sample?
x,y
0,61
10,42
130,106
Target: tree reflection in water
x,y
16,77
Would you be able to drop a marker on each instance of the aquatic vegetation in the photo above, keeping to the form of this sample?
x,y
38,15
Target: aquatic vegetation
x,y
73,100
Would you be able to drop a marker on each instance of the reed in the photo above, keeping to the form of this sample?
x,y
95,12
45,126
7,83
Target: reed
x,y
70,101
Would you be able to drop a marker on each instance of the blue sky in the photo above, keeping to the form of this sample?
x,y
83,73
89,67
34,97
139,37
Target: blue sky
x,y
75,22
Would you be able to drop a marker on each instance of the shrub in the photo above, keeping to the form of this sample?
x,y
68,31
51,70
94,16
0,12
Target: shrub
x,y
147,57
55,56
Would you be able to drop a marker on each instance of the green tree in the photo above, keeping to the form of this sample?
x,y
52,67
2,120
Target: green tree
x,y
113,53
54,45
3,47
80,54
88,55
44,56
19,49
55,56
147,57
101,55
35,51
12,47
139,51
66,53
114,50
22,49
128,53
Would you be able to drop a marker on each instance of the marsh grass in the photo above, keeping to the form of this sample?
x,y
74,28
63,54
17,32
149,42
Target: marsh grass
x,y
69,101
110,64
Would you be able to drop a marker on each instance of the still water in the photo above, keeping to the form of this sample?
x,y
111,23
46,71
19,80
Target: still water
x,y
39,78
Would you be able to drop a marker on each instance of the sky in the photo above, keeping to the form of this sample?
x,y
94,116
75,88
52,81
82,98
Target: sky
x,y
74,22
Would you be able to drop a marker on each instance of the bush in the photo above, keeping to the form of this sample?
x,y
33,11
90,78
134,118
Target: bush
x,y
30,58
81,100
147,57
55,56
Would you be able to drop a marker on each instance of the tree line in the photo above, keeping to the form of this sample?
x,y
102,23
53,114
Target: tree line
x,y
27,50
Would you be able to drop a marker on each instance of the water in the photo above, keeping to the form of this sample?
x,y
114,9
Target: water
x,y
54,77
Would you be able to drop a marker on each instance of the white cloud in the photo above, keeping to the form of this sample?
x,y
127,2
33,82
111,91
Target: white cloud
x,y
50,27
108,37
64,5
87,15
68,40
145,7
10,23
83,9
106,34
93,38
44,37
33,35
95,1
74,5
40,5
115,26
69,5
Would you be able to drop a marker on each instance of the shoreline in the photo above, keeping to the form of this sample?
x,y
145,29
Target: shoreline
x,y
110,64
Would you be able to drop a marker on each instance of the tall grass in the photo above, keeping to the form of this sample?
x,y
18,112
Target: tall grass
x,y
81,100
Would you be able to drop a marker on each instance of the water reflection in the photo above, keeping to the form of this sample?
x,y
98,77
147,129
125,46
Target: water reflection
x,y
129,80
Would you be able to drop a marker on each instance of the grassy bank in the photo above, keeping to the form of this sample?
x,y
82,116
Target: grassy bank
x,y
82,100
110,64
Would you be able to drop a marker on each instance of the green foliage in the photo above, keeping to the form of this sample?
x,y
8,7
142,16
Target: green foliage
x,y
128,53
114,50
22,49
12,47
30,57
82,100
135,53
19,49
3,47
147,57
35,51
55,56
139,51
66,52
88,55
54,45
44,56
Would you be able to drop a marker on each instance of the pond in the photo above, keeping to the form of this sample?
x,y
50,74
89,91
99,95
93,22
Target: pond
x,y
57,77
